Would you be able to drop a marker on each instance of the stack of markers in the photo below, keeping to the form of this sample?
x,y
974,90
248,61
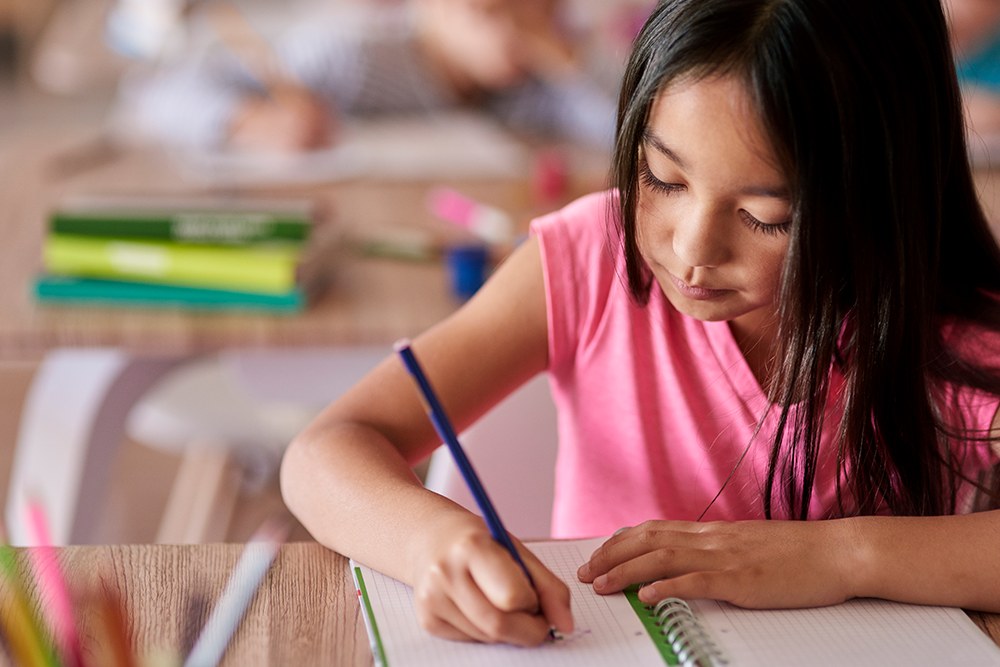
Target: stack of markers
x,y
204,254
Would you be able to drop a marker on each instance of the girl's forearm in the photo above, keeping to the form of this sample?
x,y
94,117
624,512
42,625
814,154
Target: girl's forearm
x,y
354,492
949,560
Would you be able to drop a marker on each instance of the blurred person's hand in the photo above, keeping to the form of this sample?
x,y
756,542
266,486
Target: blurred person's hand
x,y
289,119
544,49
484,45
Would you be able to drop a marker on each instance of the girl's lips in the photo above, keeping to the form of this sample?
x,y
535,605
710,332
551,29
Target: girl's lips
x,y
695,292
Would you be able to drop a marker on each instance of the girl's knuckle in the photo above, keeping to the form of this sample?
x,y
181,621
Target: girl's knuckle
x,y
495,626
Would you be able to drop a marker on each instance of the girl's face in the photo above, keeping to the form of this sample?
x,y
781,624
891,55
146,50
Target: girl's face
x,y
714,210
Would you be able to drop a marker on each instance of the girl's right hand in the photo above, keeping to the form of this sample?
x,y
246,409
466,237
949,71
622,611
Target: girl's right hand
x,y
467,587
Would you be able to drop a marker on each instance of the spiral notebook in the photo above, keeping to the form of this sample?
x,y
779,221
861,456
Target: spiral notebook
x,y
620,630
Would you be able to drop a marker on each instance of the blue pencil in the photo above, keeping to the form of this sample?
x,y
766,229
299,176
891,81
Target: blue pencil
x,y
447,433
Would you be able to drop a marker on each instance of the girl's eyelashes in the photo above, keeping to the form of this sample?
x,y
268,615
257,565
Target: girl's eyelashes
x,y
653,183
764,227
656,185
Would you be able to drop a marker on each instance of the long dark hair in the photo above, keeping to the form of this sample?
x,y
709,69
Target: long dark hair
x,y
888,245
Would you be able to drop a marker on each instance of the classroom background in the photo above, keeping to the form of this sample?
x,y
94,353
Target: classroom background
x,y
62,64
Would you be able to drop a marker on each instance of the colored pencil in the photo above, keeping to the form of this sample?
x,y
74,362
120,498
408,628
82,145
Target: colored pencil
x,y
238,593
54,596
447,433
24,637
116,647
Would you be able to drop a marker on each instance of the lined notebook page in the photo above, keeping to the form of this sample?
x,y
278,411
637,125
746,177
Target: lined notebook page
x,y
857,633
607,630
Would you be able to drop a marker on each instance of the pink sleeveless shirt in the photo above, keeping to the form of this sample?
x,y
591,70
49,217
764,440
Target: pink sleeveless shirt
x,y
656,409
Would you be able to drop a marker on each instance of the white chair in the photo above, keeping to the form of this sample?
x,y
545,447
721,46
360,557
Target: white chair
x,y
230,418
513,449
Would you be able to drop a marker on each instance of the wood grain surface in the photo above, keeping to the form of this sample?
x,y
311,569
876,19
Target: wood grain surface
x,y
304,613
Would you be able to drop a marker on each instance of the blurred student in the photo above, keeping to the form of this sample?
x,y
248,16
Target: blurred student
x,y
509,58
975,37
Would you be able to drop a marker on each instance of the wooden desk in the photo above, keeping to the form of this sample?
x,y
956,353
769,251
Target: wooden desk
x,y
305,613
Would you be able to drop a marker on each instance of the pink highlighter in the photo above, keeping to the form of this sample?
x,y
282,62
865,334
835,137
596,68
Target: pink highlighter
x,y
488,223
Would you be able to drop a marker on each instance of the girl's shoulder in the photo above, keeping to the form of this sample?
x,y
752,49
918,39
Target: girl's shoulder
x,y
594,207
586,224
580,265
581,241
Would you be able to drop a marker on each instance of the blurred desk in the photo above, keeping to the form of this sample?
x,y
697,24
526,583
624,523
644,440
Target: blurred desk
x,y
306,612
371,300
98,362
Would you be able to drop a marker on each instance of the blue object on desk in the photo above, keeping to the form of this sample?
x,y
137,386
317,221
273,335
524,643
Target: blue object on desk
x,y
444,429
467,268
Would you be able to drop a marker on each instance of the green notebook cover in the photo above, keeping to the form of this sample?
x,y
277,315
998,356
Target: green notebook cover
x,y
92,291
222,222
265,268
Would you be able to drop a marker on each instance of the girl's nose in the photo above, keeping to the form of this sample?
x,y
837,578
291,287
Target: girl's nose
x,y
699,239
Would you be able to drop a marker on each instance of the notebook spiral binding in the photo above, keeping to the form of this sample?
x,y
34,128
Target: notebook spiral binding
x,y
685,635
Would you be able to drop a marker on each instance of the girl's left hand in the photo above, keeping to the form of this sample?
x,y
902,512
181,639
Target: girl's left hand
x,y
763,564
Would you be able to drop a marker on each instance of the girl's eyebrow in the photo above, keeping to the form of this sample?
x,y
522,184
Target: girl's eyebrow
x,y
650,139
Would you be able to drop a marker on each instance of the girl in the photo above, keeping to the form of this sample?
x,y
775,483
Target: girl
x,y
775,344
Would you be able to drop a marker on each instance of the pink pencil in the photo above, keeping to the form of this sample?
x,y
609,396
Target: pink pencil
x,y
53,592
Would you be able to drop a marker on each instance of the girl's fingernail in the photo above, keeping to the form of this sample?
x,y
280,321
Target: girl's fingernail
x,y
584,570
601,581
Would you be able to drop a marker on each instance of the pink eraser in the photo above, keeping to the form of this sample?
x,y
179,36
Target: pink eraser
x,y
486,222
453,206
